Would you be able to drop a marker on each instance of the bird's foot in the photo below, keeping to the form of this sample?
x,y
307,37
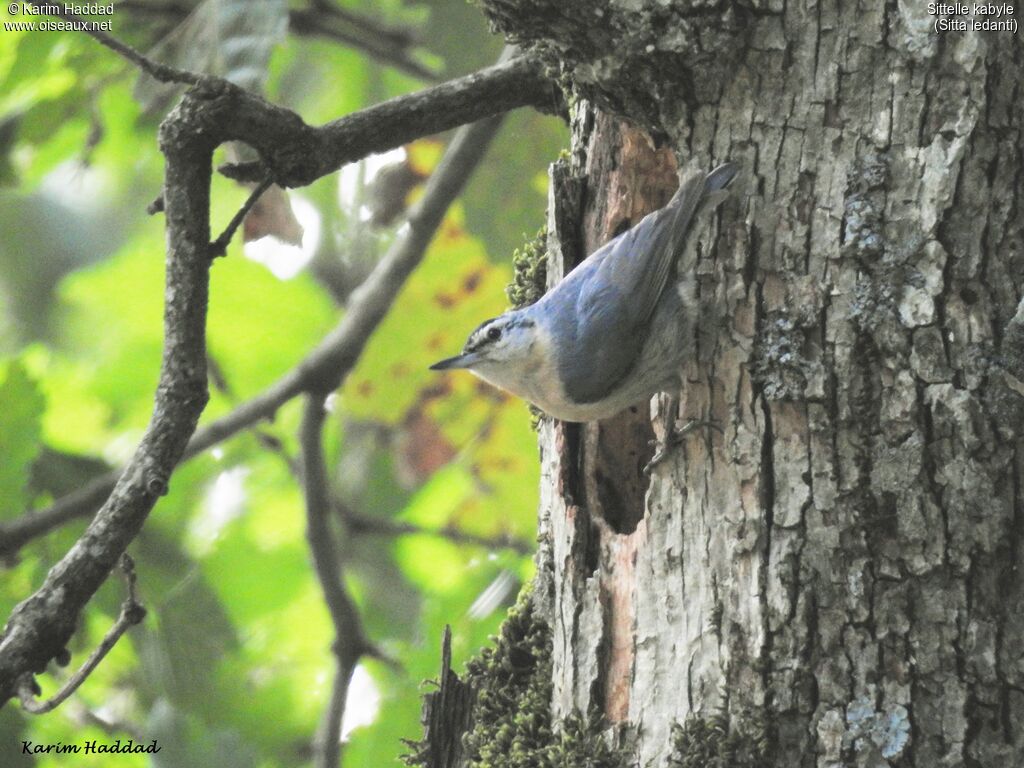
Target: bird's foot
x,y
673,438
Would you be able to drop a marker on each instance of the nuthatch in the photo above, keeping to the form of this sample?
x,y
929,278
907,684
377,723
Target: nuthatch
x,y
614,332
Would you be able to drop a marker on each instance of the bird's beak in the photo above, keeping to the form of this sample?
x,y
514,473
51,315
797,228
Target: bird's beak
x,y
459,361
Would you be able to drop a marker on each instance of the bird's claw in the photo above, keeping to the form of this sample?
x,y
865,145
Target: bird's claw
x,y
673,437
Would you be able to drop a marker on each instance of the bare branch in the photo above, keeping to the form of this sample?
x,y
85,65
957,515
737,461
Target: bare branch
x,y
350,641
387,45
464,153
219,246
364,24
40,626
132,613
326,366
156,70
298,154
211,113
364,524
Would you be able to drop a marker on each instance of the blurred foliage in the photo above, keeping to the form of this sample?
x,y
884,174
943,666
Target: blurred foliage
x,y
232,665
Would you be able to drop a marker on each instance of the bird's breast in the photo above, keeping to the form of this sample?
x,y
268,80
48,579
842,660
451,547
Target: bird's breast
x,y
536,376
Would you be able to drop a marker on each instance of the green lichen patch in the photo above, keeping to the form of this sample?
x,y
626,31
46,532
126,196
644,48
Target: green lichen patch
x,y
718,742
529,283
512,722
530,271
581,744
512,715
780,365
512,718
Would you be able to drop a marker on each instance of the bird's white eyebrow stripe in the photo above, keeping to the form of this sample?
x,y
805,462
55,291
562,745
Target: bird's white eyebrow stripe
x,y
477,338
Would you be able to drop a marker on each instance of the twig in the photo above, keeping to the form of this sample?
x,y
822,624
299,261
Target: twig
x,y
220,246
263,436
298,154
463,154
363,524
350,641
359,524
396,35
156,70
211,113
40,626
132,613
389,46
326,366
86,716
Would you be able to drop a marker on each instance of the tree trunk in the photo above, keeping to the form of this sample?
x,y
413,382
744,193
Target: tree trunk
x,y
831,578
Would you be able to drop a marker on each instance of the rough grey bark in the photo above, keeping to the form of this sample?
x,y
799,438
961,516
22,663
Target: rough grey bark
x,y
841,561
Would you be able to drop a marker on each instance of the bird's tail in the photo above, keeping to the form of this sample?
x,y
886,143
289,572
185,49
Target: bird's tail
x,y
708,192
720,177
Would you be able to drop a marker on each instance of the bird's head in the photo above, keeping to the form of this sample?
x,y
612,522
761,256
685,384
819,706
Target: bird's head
x,y
499,350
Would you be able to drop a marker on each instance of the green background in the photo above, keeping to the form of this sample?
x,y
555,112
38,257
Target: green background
x,y
232,666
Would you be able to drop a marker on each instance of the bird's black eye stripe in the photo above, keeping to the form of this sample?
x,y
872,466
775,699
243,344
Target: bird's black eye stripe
x,y
486,333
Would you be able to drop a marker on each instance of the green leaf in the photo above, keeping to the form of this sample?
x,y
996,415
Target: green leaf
x,y
187,637
241,568
186,741
12,732
23,86
20,428
505,209
260,326
434,503
233,664
452,291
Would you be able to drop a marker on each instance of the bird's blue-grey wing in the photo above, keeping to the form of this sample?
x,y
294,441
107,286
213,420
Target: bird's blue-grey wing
x,y
618,287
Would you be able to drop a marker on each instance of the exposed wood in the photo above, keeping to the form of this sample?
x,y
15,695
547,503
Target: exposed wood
x,y
844,557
